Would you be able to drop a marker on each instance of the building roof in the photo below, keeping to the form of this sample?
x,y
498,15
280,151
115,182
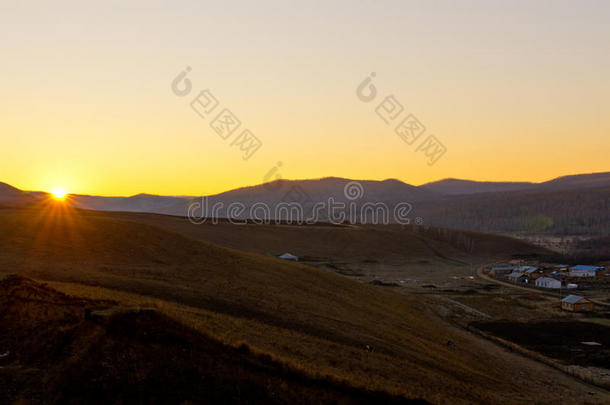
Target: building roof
x,y
516,275
288,256
527,269
572,299
546,280
504,268
591,343
588,268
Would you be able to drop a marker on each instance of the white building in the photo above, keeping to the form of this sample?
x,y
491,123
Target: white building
x,y
547,282
585,271
288,256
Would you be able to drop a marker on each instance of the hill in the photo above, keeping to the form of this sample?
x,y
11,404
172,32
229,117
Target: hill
x,y
313,321
573,182
391,252
321,189
460,187
306,192
573,212
579,181
567,206
136,203
84,348
12,195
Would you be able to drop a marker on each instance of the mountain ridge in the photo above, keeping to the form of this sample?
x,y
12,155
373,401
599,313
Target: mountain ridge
x,y
454,186
580,180
498,207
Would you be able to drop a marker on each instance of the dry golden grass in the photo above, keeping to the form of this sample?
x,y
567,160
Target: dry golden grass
x,y
312,320
388,243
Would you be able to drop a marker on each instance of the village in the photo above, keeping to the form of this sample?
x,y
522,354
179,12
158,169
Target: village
x,y
578,287
578,281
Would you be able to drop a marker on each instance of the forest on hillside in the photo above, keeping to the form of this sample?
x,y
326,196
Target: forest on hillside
x,y
560,213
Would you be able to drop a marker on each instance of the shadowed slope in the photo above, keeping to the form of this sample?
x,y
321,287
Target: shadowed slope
x,y
383,243
307,315
137,356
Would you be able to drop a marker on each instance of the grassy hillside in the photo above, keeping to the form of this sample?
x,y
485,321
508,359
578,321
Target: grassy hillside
x,y
389,252
312,321
88,354
358,242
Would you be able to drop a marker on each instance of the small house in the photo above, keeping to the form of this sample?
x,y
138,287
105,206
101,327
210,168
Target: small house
x,y
288,256
585,271
547,282
561,267
576,303
516,277
501,271
531,272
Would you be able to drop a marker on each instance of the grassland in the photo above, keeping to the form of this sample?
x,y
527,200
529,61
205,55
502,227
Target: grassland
x,y
388,252
311,320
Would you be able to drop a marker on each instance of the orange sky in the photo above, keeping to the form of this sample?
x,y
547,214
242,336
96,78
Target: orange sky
x,y
514,91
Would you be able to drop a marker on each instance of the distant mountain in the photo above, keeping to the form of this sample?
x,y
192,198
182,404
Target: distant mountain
x,y
564,206
578,211
305,192
462,187
322,189
12,195
309,192
578,181
137,203
569,205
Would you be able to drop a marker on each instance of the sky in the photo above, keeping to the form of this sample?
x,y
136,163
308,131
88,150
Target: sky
x,y
511,91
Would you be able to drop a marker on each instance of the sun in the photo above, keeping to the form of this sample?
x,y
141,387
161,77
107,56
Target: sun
x,y
59,193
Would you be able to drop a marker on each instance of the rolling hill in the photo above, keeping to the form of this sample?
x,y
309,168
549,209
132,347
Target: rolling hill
x,y
573,182
84,348
306,192
570,205
555,212
321,189
363,251
313,322
461,187
136,203
12,195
